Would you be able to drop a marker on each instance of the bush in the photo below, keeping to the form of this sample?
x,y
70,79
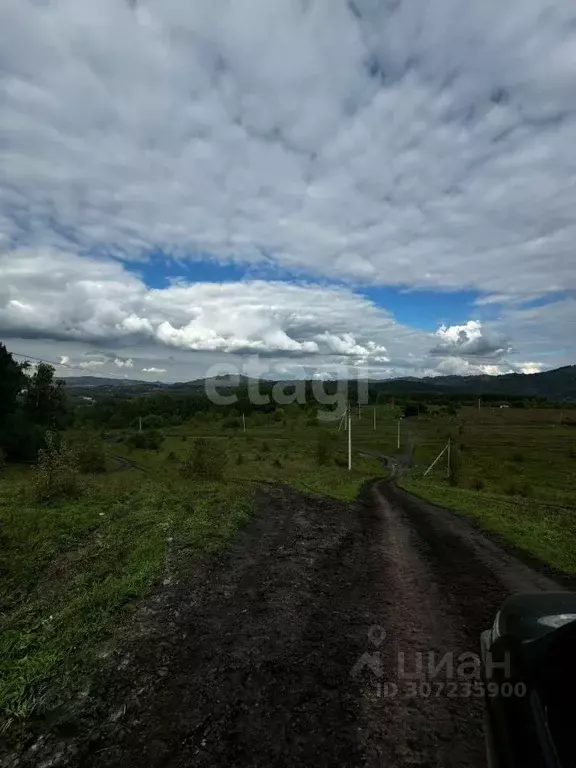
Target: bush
x,y
205,460
149,439
56,474
21,439
90,456
152,422
325,447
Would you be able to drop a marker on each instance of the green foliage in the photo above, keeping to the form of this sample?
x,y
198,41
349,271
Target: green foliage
x,y
56,475
325,447
148,439
44,399
90,456
20,438
152,421
12,381
205,460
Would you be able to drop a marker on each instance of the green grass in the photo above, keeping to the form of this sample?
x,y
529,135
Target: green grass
x,y
517,475
544,531
72,571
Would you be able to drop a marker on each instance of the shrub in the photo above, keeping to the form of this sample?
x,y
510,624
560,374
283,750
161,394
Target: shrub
x,y
90,456
205,460
325,447
56,474
149,439
340,461
152,422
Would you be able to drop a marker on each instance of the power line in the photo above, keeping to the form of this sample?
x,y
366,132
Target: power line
x,y
66,365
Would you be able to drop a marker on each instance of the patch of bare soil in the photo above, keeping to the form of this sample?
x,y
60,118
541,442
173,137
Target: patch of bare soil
x,y
316,640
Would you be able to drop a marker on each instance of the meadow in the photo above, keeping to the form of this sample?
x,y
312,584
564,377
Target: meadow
x,y
75,567
514,472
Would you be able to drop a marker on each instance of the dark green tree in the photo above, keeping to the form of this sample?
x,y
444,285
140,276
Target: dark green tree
x,y
44,400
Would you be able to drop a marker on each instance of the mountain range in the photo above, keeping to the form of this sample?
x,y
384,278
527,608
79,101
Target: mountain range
x,y
555,385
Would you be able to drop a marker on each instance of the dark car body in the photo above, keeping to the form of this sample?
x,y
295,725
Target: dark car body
x,y
529,671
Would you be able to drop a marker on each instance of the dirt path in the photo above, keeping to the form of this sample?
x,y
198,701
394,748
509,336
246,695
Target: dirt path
x,y
286,651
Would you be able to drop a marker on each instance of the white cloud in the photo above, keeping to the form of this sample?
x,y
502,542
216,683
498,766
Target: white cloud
x,y
402,143
468,341
89,365
154,370
119,363
98,301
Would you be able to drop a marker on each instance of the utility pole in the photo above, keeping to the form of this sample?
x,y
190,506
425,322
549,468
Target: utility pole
x,y
399,420
437,459
359,411
244,422
449,468
374,418
349,441
479,403
139,423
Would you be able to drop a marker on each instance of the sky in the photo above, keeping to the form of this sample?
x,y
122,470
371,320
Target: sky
x,y
303,187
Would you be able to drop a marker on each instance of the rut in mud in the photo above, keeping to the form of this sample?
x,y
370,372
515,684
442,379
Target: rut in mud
x,y
283,651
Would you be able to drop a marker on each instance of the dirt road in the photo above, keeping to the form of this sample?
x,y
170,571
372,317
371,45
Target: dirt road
x,y
286,651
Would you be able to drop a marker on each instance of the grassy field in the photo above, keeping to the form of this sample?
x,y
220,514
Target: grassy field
x,y
73,570
517,475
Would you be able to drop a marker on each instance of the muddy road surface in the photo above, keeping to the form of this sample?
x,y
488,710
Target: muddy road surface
x,y
315,641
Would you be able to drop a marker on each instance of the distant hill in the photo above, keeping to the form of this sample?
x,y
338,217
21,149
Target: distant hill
x,y
559,384
556,385
102,381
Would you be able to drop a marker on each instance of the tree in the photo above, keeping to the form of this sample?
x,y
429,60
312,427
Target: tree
x,y
12,381
45,401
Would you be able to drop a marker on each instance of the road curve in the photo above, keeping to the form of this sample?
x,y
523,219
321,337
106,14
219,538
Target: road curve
x,y
300,646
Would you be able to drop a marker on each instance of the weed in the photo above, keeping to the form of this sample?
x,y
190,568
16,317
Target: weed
x,y
56,474
205,460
